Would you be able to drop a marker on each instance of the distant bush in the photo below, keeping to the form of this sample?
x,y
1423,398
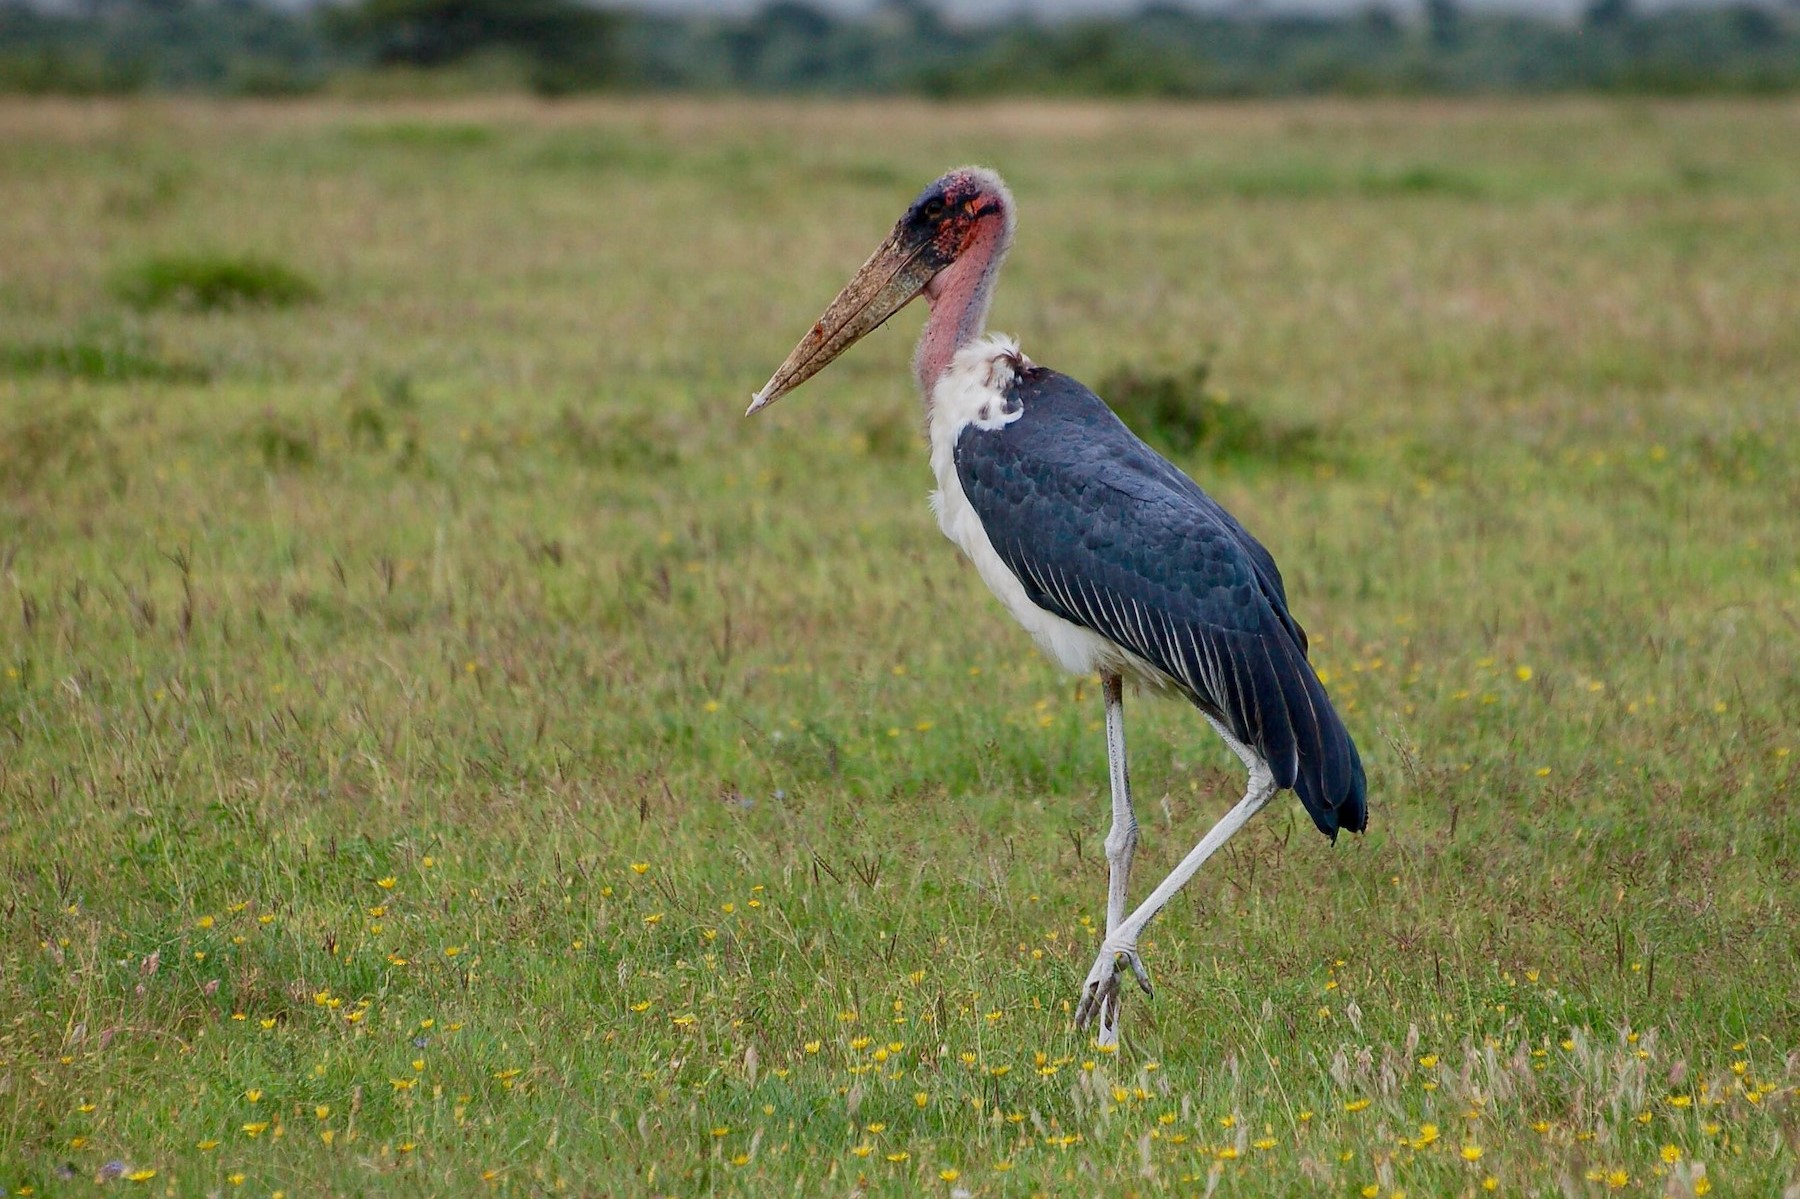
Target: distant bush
x,y
97,359
283,444
270,79
1181,414
1420,180
381,415
278,47
206,282
244,47
568,45
53,70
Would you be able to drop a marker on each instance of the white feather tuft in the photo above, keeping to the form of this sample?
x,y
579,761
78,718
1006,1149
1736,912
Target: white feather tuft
x,y
973,391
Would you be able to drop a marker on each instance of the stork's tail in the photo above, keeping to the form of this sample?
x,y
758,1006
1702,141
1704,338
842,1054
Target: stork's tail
x,y
1328,770
1353,806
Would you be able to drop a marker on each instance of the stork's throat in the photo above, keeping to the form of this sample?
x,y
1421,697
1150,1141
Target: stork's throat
x,y
959,296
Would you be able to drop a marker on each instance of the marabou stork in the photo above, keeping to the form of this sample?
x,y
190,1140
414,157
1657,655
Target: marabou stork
x,y
1114,560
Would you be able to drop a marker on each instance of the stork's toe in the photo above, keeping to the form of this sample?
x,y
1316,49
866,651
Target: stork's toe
x,y
1100,991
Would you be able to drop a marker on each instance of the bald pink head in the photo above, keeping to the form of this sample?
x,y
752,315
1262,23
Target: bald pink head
x,y
981,228
947,247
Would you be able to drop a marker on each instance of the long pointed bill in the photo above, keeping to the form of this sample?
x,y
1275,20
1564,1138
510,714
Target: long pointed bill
x,y
893,277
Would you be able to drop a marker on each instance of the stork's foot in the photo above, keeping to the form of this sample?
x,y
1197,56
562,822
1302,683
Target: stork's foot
x,y
1100,993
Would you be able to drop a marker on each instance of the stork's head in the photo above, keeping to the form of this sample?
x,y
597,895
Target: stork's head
x,y
963,211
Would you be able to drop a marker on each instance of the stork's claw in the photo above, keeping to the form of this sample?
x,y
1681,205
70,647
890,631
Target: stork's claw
x,y
1100,993
1143,975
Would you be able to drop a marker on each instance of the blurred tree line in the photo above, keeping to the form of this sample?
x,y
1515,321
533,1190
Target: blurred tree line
x,y
904,46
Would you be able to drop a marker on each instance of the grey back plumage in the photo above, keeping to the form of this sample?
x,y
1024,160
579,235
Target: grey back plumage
x,y
1106,533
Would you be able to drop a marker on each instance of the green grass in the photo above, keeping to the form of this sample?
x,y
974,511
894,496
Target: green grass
x,y
447,750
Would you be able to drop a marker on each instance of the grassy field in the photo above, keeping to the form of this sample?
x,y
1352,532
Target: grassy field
x,y
446,750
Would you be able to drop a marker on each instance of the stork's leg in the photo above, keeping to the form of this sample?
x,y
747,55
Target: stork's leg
x,y
1121,839
1100,992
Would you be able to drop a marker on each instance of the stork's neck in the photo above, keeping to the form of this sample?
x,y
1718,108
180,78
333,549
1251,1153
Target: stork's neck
x,y
959,296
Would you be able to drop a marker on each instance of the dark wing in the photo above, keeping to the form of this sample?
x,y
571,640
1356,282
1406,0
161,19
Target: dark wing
x,y
1106,533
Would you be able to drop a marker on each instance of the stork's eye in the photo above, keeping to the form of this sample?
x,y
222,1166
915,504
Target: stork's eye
x,y
934,208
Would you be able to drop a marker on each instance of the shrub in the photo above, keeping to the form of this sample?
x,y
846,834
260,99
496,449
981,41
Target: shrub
x,y
207,282
1179,413
98,360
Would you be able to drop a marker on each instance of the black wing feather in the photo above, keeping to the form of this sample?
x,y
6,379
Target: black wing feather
x,y
1106,533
